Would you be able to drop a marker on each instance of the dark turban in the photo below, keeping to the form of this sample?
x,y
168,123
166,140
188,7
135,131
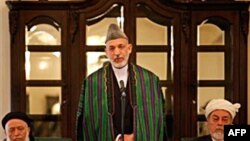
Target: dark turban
x,y
16,115
21,116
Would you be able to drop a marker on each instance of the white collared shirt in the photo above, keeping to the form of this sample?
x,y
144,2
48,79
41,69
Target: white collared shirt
x,y
121,74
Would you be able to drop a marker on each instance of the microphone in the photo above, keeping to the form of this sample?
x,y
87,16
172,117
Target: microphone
x,y
123,105
122,89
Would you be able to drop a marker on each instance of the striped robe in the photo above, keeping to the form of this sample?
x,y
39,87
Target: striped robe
x,y
94,115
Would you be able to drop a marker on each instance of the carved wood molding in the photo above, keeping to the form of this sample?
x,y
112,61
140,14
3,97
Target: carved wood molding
x,y
185,25
44,19
244,25
75,27
13,22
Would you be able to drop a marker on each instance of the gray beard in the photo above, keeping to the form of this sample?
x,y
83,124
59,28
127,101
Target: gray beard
x,y
26,138
218,136
122,64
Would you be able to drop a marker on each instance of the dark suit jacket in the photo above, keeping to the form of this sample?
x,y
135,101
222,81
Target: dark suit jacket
x,y
204,138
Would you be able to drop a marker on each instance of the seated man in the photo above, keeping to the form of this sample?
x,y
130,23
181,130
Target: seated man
x,y
17,127
219,112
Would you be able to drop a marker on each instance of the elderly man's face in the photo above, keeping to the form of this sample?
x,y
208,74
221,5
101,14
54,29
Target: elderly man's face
x,y
17,130
216,121
118,51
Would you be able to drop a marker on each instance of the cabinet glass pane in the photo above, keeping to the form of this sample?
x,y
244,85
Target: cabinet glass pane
x,y
43,100
43,34
95,60
150,33
211,66
47,129
96,27
207,93
155,62
168,96
210,34
43,65
202,128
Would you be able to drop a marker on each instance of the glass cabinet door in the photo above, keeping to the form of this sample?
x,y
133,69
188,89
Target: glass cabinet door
x,y
155,51
213,61
43,66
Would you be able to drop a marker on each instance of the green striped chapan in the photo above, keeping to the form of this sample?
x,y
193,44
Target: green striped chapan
x,y
94,116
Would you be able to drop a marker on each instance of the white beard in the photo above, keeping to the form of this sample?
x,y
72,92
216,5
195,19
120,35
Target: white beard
x,y
122,64
218,135
26,138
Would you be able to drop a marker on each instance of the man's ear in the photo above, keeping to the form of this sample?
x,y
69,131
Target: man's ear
x,y
130,47
105,49
29,129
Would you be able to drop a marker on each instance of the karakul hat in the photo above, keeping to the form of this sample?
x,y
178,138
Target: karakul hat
x,y
222,104
114,32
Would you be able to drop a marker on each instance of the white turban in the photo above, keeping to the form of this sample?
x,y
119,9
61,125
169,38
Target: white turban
x,y
222,104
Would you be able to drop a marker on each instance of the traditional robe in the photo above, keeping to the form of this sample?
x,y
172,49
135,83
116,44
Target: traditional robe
x,y
96,106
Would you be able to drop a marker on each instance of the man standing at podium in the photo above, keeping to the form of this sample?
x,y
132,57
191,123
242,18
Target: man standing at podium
x,y
99,116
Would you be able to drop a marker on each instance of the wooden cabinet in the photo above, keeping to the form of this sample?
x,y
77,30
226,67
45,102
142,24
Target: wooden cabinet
x,y
198,49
